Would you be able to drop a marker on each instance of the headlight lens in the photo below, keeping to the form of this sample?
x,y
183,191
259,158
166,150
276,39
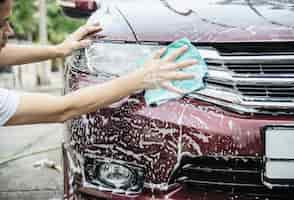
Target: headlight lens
x,y
116,59
116,175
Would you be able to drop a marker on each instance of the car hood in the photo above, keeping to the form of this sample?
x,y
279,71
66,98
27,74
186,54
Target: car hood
x,y
201,21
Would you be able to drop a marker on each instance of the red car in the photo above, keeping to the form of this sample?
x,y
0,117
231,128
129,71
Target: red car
x,y
231,140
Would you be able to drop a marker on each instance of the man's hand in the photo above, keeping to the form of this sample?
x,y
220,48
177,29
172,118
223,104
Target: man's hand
x,y
159,72
22,54
77,40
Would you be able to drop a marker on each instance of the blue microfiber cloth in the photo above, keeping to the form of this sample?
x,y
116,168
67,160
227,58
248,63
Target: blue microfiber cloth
x,y
159,95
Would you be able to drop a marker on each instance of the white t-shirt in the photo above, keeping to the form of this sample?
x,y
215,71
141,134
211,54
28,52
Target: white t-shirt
x,y
9,101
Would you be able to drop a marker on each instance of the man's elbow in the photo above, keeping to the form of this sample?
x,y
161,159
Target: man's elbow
x,y
62,118
69,110
66,115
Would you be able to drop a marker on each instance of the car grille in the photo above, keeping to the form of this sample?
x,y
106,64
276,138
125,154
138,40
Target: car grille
x,y
252,83
262,68
233,175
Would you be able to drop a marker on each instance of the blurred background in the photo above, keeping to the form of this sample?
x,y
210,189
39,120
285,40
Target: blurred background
x,y
37,22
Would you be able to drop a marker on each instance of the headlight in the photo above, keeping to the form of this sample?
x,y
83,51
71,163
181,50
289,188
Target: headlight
x,y
117,59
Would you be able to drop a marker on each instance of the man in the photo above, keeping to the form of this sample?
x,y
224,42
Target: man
x,y
28,108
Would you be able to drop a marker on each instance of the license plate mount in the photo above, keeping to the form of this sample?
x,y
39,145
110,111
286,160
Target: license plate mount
x,y
278,168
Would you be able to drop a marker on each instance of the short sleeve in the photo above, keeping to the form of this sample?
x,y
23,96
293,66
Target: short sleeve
x,y
9,101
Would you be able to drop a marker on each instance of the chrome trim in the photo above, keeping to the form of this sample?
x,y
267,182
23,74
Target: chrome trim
x,y
211,55
238,99
261,108
232,96
229,78
226,87
221,94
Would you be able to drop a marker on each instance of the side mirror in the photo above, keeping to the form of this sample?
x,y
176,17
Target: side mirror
x,y
78,8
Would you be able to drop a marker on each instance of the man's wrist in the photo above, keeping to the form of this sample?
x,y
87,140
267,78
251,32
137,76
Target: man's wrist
x,y
137,78
59,51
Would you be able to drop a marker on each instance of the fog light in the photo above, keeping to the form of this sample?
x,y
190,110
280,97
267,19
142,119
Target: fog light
x,y
116,175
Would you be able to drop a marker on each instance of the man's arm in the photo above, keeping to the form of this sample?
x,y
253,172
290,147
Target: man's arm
x,y
44,108
41,108
22,54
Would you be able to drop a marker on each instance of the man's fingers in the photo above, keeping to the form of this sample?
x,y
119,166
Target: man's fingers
x,y
91,30
159,53
186,63
86,30
95,24
178,76
83,44
92,33
181,65
168,86
173,56
99,36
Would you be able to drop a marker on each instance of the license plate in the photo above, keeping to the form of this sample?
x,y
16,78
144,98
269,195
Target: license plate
x,y
279,156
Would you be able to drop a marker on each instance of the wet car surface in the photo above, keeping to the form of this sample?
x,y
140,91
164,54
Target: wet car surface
x,y
208,145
